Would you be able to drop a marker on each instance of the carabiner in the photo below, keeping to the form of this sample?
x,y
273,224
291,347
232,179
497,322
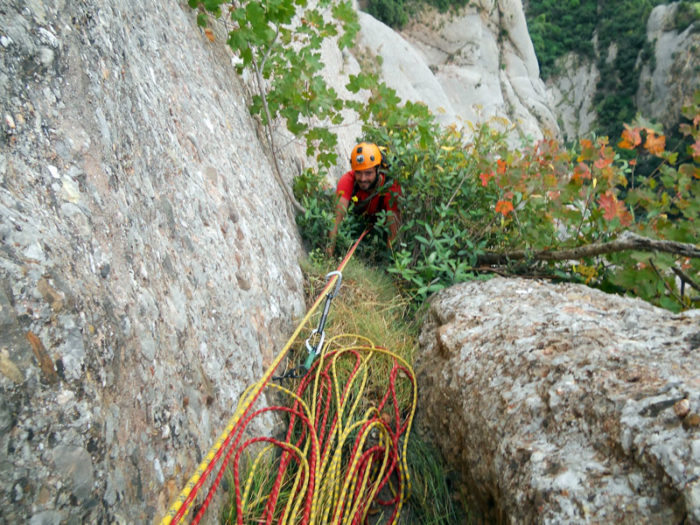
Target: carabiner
x,y
337,283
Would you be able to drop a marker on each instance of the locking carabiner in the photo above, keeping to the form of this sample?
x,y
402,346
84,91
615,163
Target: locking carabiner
x,y
314,350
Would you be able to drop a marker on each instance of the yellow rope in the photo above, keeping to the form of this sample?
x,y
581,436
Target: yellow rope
x,y
243,405
339,489
336,476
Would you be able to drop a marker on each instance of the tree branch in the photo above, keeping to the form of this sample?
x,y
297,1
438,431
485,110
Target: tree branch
x,y
685,278
268,127
626,242
668,287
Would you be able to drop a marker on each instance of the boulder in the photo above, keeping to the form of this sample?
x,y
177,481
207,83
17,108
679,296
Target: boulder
x,y
560,403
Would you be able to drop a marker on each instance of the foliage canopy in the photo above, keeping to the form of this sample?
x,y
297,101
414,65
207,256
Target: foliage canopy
x,y
469,196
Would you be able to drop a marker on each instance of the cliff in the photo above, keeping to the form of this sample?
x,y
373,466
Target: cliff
x,y
148,257
147,263
470,66
666,72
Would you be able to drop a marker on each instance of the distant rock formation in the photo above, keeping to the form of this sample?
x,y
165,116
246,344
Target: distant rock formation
x,y
571,94
471,66
561,404
667,81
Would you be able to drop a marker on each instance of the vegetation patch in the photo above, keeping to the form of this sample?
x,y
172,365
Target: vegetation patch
x,y
367,304
396,13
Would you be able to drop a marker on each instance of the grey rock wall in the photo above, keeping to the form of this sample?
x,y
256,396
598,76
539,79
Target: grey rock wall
x,y
484,61
562,404
148,263
668,82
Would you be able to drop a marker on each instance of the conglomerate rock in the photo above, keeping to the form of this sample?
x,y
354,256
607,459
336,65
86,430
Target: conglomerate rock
x,y
560,403
148,265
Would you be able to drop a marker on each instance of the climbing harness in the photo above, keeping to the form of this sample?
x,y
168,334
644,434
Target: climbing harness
x,y
344,452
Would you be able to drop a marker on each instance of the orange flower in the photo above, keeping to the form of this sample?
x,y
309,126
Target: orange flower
x,y
655,144
581,171
613,208
607,155
485,177
631,138
501,166
504,207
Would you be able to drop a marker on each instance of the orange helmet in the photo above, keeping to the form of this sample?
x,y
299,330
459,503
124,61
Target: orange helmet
x,y
365,156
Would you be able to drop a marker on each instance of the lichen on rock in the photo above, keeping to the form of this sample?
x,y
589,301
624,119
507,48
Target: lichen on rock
x,y
555,403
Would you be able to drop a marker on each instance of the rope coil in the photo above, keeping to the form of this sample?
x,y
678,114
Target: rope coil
x,y
342,456
376,468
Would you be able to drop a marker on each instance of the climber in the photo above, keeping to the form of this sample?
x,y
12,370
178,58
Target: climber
x,y
366,186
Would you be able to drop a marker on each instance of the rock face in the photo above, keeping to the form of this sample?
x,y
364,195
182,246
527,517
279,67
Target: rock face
x,y
560,404
571,96
667,84
473,66
147,263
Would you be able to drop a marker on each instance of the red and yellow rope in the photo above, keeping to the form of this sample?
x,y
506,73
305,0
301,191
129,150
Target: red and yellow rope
x,y
343,455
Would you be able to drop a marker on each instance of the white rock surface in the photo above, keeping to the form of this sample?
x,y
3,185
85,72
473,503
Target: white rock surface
x,y
571,93
484,60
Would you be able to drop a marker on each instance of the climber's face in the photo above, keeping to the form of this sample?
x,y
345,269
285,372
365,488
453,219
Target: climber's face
x,y
365,178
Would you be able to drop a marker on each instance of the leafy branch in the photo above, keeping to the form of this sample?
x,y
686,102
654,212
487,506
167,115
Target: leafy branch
x,y
280,42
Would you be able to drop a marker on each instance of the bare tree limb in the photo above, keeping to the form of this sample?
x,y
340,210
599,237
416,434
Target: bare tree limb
x,y
270,138
668,287
685,278
626,242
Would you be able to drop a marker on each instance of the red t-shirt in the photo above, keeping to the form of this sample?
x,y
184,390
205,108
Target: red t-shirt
x,y
388,200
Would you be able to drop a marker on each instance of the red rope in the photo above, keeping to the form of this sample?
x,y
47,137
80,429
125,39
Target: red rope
x,y
320,431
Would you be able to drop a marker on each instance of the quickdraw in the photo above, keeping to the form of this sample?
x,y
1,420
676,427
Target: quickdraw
x,y
317,333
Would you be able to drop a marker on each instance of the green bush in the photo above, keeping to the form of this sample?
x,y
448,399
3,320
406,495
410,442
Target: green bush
x,y
392,12
396,13
558,27
687,13
465,201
